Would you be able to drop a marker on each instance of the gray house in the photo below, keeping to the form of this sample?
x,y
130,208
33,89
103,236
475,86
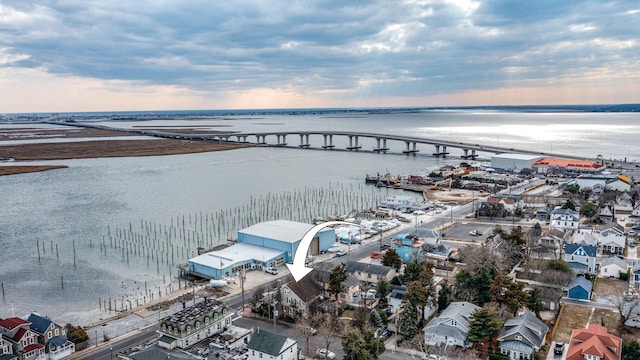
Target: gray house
x,y
521,336
451,327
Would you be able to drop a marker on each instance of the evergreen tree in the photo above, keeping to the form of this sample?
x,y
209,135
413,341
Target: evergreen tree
x,y
515,297
484,323
412,272
630,350
444,297
375,346
354,346
391,258
534,301
336,278
409,321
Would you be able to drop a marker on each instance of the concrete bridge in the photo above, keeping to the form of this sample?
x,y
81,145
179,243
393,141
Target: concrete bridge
x,y
325,140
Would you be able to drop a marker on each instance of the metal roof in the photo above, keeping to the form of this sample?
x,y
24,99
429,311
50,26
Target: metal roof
x,y
282,230
234,254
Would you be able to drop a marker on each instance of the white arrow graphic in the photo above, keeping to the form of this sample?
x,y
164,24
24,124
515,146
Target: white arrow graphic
x,y
297,269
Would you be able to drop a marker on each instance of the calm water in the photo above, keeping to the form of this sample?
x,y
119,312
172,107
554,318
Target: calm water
x,y
93,199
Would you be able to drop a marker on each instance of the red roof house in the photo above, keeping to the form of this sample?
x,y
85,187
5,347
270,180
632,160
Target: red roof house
x,y
594,341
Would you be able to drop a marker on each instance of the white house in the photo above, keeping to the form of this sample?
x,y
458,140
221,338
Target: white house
x,y
267,345
581,258
451,327
193,324
612,267
564,219
613,243
583,238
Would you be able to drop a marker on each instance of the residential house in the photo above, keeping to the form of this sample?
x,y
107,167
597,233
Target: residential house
x,y
613,243
622,212
394,299
6,350
350,287
583,237
297,296
581,258
370,273
509,204
580,289
634,218
612,229
612,267
267,345
522,336
553,238
593,343
451,326
189,326
605,213
429,237
408,247
52,336
635,269
560,218
23,340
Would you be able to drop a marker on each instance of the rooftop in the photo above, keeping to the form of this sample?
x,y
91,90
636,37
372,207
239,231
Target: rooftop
x,y
194,312
283,230
234,254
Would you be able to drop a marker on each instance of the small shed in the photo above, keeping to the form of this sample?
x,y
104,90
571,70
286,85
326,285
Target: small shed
x,y
580,289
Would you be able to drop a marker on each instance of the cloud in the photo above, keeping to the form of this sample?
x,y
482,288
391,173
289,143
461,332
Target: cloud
x,y
318,52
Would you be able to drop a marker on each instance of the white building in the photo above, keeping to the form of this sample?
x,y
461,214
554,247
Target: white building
x,y
564,219
451,327
513,162
267,345
193,324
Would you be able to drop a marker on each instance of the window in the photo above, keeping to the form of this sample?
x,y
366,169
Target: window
x,y
49,334
518,337
189,329
197,324
573,257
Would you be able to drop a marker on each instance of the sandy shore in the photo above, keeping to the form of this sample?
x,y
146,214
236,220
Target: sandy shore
x,y
90,149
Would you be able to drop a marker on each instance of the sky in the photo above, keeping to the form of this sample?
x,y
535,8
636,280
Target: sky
x,y
87,55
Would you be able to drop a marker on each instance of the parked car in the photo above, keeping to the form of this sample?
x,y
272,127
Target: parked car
x,y
272,270
325,354
558,349
430,357
334,248
385,247
387,334
309,330
475,233
340,253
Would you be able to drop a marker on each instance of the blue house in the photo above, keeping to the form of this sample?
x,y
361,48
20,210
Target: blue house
x,y
408,246
580,288
581,257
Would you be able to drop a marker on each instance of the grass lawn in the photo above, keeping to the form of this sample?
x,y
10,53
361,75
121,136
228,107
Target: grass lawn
x,y
608,318
615,287
572,317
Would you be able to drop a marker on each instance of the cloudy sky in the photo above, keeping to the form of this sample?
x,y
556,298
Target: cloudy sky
x,y
87,55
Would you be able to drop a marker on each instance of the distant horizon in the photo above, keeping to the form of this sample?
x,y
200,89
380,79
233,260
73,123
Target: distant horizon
x,y
614,107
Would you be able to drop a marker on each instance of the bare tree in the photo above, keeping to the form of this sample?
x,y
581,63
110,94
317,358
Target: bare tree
x,y
555,281
329,326
627,308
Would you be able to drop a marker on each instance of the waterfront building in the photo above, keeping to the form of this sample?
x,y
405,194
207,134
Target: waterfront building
x,y
195,323
52,336
23,340
267,345
513,162
264,245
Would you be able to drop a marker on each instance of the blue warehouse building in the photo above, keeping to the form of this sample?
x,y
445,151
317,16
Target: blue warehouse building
x,y
266,244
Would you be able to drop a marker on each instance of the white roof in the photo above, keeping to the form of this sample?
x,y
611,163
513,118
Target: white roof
x,y
234,254
517,156
283,230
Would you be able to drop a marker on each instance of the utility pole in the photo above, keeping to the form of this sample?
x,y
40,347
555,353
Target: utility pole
x,y
242,278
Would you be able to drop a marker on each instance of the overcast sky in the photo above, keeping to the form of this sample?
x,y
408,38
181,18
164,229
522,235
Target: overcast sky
x,y
85,55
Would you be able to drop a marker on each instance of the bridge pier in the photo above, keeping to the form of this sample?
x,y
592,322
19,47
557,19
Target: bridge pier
x,y
261,139
472,156
384,147
284,140
438,152
330,144
241,138
351,146
411,150
304,141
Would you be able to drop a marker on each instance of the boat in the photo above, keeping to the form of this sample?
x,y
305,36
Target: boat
x,y
216,283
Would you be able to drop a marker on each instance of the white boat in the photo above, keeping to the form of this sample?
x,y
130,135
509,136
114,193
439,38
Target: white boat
x,y
217,283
